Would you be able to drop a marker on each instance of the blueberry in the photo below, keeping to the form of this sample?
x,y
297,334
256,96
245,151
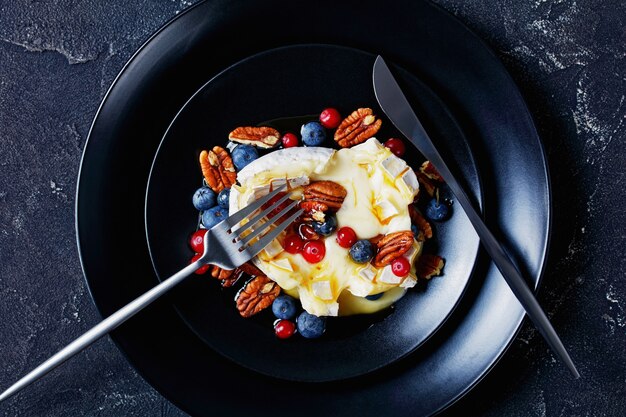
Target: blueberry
x,y
310,326
437,210
362,251
374,297
213,216
327,227
313,134
415,231
244,154
203,199
285,307
223,198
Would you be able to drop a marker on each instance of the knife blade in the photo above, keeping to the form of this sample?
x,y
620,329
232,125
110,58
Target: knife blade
x,y
396,106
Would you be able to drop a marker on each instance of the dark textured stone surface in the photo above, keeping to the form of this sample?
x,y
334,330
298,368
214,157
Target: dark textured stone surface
x,y
57,59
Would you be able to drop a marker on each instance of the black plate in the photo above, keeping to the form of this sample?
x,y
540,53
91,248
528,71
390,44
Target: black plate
x,y
205,40
260,88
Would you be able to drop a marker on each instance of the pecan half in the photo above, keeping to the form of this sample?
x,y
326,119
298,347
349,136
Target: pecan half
x,y
329,193
307,232
217,168
262,137
428,266
426,183
232,279
256,295
392,246
429,170
251,269
312,206
374,240
357,128
228,277
422,224
219,273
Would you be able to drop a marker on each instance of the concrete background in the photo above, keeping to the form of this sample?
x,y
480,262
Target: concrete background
x,y
58,58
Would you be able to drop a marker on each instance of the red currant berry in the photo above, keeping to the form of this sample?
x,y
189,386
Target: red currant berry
x,y
314,251
401,267
293,244
197,241
330,118
274,200
396,146
284,329
202,270
346,237
290,140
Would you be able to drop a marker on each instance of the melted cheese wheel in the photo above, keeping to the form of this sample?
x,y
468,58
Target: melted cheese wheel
x,y
379,186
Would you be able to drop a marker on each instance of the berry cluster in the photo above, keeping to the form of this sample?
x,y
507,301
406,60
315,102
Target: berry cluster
x,y
285,309
306,237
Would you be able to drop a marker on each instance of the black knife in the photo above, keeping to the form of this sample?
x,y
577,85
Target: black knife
x,y
397,108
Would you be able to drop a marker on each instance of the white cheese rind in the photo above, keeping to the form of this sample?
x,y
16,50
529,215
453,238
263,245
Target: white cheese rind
x,y
408,182
283,264
388,277
273,249
393,166
295,158
322,290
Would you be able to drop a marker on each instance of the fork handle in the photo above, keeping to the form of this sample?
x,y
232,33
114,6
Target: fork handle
x,y
101,329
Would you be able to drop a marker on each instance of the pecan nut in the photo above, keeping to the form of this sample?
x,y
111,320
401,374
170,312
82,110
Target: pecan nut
x,y
312,207
258,294
262,137
357,128
426,232
232,279
217,168
429,266
392,246
220,273
374,240
426,183
251,269
430,171
329,193
227,277
307,232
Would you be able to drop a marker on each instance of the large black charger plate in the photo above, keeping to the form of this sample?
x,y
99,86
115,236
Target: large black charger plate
x,y
208,38
291,81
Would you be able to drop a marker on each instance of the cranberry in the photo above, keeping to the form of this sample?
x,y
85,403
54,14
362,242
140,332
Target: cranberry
x,y
330,118
396,146
290,140
346,237
274,200
401,267
314,251
293,244
284,329
197,240
202,270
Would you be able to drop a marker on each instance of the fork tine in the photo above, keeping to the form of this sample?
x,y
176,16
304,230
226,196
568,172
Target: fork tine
x,y
245,212
259,216
257,247
261,229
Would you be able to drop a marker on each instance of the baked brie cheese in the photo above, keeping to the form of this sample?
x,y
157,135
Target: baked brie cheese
x,y
379,187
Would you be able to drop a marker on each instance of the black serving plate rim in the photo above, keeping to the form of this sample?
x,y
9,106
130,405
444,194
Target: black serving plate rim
x,y
529,120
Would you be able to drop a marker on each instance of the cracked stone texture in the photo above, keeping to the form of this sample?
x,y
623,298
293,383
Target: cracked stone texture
x,y
569,60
